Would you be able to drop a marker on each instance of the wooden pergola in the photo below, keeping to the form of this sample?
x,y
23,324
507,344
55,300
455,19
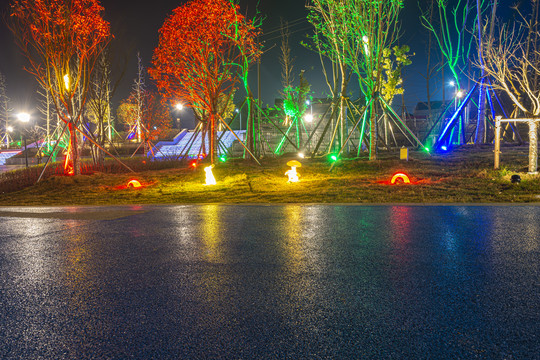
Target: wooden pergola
x,y
533,141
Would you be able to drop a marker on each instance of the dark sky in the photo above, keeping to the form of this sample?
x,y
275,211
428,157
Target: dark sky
x,y
135,25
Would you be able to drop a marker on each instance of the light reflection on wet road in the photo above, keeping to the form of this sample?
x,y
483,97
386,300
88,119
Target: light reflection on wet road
x,y
291,281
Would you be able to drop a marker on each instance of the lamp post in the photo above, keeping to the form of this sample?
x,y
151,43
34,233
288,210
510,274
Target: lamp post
x,y
24,118
179,107
239,114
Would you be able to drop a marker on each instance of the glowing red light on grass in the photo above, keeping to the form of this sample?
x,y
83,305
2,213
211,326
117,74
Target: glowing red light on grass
x,y
134,184
399,178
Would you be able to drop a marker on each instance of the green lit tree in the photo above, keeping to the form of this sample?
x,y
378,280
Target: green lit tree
x,y
354,35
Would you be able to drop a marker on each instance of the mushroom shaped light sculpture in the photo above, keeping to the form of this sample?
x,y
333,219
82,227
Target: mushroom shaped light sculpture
x,y
210,179
291,173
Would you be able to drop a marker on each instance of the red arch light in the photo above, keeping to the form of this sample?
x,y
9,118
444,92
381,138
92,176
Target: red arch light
x,y
134,184
400,177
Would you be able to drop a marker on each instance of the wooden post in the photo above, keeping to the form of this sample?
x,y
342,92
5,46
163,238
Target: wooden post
x,y
533,147
497,141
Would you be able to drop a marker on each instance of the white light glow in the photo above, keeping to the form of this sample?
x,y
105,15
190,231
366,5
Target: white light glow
x,y
210,179
66,81
23,117
308,117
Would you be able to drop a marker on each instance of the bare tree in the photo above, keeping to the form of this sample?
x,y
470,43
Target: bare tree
x,y
5,109
511,62
99,106
137,92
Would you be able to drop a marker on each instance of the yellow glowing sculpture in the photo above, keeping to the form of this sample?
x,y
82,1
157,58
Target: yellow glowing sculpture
x,y
292,174
210,179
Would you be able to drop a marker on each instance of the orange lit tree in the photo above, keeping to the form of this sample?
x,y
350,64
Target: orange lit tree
x,y
201,51
151,121
62,39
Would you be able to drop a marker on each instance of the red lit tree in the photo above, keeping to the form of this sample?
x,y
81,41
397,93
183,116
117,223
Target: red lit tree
x,y
62,39
202,47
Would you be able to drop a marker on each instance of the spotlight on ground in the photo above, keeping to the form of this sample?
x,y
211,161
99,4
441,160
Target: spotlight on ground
x,y
515,179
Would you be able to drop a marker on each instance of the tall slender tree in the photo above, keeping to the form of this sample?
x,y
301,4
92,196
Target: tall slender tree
x,y
62,40
5,109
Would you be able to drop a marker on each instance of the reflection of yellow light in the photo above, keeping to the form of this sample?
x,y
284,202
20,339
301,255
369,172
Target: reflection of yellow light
x,y
294,249
212,233
66,81
292,174
210,179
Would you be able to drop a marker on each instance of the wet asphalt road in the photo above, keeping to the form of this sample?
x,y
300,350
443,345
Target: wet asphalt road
x,y
270,282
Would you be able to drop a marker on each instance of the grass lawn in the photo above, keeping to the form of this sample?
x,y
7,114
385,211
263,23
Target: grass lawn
x,y
464,176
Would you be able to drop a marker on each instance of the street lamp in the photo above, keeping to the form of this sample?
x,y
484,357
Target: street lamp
x,y
24,118
239,114
179,107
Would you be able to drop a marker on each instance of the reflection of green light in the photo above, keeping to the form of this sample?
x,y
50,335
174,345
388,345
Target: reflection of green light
x,y
333,157
222,158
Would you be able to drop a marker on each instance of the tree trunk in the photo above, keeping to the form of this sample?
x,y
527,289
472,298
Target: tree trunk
x,y
480,137
212,137
373,133
75,161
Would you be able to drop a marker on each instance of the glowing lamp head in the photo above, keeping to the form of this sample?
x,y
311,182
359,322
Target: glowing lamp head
x,y
451,83
308,117
9,129
134,184
223,158
23,117
66,81
365,39
301,155
308,102
444,148
333,157
179,106
460,94
426,149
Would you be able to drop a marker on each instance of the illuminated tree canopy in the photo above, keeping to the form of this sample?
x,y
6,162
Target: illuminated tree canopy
x,y
62,39
201,48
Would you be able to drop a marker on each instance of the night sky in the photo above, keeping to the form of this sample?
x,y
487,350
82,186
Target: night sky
x,y
135,25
